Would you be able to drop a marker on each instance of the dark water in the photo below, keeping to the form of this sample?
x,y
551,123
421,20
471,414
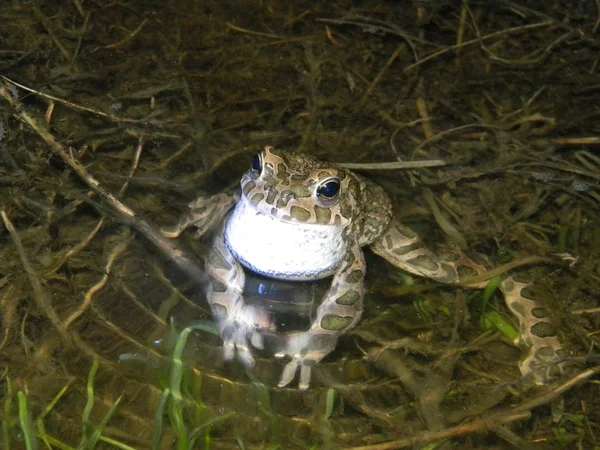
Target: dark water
x,y
165,101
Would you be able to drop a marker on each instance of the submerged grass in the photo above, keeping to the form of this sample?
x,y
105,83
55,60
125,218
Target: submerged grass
x,y
173,404
26,423
176,405
91,435
41,429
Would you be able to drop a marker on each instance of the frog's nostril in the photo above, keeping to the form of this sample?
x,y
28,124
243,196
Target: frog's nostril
x,y
287,196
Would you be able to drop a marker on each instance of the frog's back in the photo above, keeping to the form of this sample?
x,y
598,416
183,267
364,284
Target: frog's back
x,y
376,211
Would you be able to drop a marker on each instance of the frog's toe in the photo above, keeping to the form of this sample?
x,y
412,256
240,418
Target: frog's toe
x,y
305,373
228,350
289,372
245,355
201,230
171,232
237,346
257,341
240,350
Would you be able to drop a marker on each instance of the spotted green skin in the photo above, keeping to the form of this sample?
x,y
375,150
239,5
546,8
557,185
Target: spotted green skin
x,y
284,192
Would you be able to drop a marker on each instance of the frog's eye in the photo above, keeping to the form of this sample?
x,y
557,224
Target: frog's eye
x,y
329,189
256,163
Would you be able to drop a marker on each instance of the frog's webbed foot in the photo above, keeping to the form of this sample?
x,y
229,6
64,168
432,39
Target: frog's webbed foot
x,y
236,344
241,329
568,258
289,373
545,353
306,350
205,214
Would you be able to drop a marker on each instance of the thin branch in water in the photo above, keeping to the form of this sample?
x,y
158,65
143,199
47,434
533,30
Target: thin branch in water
x,y
532,59
96,112
401,49
39,294
129,37
124,213
255,33
476,41
89,295
394,165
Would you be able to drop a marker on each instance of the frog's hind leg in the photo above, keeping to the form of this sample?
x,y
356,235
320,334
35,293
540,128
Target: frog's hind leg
x,y
404,249
401,246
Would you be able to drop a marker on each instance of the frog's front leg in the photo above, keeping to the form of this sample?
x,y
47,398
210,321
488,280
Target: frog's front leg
x,y
205,214
338,313
238,323
404,249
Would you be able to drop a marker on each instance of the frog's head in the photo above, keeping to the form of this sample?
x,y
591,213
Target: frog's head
x,y
298,188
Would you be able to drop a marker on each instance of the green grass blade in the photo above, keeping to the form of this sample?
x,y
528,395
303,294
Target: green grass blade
x,y
263,400
489,290
331,394
435,445
56,444
117,444
175,383
494,319
40,420
177,368
7,408
26,423
158,419
5,438
87,411
241,443
176,403
194,434
93,439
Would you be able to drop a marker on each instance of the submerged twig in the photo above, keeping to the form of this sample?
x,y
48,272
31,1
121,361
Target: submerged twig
x,y
476,41
432,436
123,212
46,24
129,37
394,165
255,33
39,294
520,412
535,57
76,106
401,49
89,295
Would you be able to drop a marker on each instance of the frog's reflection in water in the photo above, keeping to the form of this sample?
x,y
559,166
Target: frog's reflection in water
x,y
279,308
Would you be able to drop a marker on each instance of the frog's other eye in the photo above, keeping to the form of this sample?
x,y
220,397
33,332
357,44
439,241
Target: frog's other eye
x,y
256,164
329,189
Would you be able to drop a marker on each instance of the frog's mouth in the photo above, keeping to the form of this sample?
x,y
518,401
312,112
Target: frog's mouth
x,y
277,248
290,213
292,207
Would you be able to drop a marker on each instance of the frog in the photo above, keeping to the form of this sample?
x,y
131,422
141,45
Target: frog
x,y
297,218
